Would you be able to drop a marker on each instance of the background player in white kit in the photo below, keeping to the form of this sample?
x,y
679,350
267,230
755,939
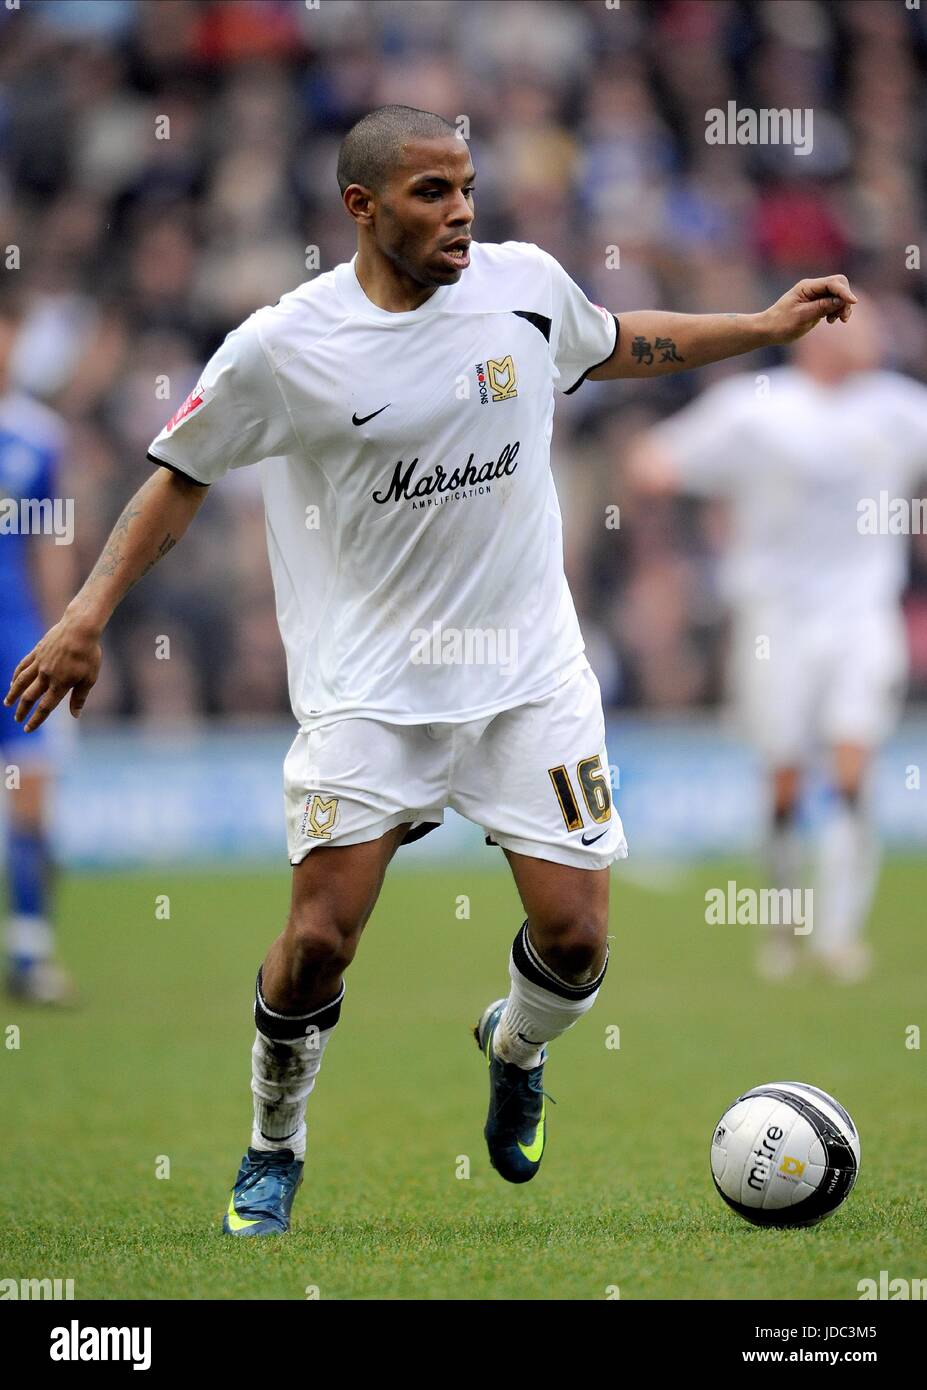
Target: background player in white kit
x,y
818,654
411,405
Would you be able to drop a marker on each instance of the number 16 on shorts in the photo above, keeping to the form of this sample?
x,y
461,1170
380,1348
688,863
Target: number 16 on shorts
x,y
593,782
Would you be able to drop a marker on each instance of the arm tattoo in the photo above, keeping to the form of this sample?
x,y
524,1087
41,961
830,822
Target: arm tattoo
x,y
167,544
112,556
643,351
667,348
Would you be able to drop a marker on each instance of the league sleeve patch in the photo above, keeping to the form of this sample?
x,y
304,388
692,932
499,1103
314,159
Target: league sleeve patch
x,y
192,403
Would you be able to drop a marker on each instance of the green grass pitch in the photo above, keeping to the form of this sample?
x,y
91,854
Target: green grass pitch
x,y
155,1065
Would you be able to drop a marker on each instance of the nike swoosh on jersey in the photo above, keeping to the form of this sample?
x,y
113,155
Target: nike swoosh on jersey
x,y
587,841
238,1223
534,1150
364,418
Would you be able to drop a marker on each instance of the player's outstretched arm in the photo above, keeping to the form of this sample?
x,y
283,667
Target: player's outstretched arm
x,y
68,656
652,343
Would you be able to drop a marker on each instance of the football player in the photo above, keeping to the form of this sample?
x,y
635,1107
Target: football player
x,y
399,408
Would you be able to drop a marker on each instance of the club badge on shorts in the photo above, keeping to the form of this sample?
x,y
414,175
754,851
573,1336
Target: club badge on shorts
x,y
319,817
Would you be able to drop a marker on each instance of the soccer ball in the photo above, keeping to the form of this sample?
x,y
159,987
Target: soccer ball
x,y
785,1154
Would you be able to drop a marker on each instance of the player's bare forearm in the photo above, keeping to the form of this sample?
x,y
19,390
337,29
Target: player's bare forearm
x,y
150,525
68,657
652,342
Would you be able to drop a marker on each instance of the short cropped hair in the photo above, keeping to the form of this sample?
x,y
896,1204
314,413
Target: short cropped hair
x,y
373,146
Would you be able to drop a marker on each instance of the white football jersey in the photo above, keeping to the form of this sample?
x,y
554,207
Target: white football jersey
x,y
807,469
413,526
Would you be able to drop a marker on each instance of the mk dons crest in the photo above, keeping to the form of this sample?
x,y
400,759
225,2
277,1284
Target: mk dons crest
x,y
501,378
319,817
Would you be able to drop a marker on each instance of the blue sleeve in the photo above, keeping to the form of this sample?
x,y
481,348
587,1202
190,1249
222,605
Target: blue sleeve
x,y
46,479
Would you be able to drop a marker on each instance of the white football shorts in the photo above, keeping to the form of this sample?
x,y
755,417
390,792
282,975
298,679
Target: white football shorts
x,y
818,681
536,778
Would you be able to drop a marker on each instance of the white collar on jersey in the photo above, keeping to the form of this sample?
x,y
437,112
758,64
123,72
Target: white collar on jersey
x,y
352,295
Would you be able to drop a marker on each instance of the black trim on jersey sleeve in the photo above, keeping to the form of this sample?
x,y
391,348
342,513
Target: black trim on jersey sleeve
x,y
577,384
541,323
163,463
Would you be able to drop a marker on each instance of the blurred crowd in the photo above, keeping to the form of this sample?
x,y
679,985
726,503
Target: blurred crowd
x,y
167,166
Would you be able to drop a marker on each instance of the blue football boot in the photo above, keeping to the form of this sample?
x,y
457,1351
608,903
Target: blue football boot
x,y
516,1126
263,1194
